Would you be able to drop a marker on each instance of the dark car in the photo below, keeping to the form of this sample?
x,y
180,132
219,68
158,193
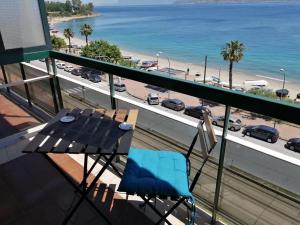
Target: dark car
x,y
119,87
77,71
262,132
196,111
93,76
85,71
293,144
174,104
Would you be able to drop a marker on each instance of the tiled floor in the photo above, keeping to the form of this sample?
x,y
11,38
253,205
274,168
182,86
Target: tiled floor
x,y
12,118
33,192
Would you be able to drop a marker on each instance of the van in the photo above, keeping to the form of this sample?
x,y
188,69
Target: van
x,y
152,99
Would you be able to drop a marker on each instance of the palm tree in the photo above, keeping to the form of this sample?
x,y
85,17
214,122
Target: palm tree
x,y
232,52
68,33
86,30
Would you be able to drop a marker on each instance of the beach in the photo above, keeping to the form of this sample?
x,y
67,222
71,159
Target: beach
x,y
238,76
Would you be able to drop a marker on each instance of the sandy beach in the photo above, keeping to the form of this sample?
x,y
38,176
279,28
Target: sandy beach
x,y
238,76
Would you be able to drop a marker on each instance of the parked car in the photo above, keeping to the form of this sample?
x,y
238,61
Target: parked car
x,y
235,124
76,71
68,68
93,75
174,104
85,72
148,64
196,111
119,87
293,144
94,78
262,132
60,65
153,99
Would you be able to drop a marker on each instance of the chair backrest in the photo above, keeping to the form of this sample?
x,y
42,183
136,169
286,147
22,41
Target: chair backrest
x,y
208,141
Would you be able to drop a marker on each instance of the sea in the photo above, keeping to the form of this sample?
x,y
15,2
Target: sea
x,y
269,31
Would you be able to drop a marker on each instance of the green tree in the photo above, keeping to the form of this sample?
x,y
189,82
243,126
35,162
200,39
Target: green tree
x,y
102,49
58,43
68,6
68,33
86,30
90,7
232,52
76,4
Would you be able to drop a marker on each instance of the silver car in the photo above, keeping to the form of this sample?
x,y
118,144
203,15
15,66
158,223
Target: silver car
x,y
235,124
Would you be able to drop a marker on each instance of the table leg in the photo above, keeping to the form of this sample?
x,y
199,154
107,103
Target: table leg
x,y
87,191
70,180
91,169
85,164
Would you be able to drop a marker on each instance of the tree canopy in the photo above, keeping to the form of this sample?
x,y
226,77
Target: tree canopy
x,y
102,49
233,51
58,43
74,7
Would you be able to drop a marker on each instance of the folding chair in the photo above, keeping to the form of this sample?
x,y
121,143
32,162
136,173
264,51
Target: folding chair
x,y
151,173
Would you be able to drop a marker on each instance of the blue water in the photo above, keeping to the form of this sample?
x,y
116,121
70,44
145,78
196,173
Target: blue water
x,y
271,33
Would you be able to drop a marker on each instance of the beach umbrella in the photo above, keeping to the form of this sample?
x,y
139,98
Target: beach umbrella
x,y
282,92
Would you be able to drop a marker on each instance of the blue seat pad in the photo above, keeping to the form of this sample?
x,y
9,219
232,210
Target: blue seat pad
x,y
155,172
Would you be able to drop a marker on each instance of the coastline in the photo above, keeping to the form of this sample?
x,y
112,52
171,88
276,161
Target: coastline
x,y
238,76
56,19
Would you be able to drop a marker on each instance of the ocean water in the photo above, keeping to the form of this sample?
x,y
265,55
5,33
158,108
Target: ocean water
x,y
270,32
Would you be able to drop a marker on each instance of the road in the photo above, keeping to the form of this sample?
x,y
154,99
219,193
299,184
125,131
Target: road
x,y
76,89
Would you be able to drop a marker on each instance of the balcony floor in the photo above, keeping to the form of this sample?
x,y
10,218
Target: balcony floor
x,y
13,118
33,192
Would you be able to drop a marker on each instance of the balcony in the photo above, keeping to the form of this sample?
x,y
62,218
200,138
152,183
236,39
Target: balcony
x,y
246,181
245,196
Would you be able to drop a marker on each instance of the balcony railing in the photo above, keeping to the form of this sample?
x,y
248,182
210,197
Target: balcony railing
x,y
219,174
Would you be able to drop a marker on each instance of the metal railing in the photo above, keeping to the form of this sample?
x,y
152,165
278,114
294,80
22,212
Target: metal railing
x,y
261,105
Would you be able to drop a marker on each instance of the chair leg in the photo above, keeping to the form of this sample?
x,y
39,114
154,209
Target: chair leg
x,y
164,217
155,210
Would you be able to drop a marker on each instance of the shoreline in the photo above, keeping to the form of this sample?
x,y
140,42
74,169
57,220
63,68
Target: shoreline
x,y
238,76
57,19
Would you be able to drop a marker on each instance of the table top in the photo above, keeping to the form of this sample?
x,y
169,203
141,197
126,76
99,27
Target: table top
x,y
94,131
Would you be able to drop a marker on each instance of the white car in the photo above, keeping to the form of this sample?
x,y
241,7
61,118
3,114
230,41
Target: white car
x,y
68,68
60,65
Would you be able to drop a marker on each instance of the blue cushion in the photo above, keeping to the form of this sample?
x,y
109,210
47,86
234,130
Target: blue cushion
x,y
155,172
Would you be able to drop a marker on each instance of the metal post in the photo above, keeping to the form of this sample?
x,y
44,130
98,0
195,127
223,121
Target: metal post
x,y
205,65
221,164
282,70
55,104
25,85
5,78
57,86
169,75
112,91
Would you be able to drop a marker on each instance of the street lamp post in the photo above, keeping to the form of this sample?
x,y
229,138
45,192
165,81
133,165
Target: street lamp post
x,y
157,55
169,74
282,70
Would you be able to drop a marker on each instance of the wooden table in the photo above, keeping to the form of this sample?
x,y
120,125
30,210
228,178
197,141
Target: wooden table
x,y
93,132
